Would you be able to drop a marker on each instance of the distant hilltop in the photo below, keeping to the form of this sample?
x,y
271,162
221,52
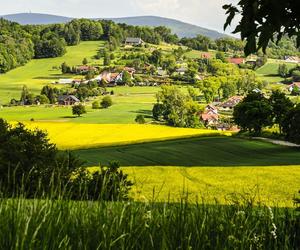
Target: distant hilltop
x,y
182,29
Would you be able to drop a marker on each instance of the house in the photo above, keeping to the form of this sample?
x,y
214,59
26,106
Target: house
x,y
131,71
211,109
292,59
64,81
133,41
206,55
251,61
83,69
181,70
294,86
209,119
68,100
236,61
257,91
161,72
231,102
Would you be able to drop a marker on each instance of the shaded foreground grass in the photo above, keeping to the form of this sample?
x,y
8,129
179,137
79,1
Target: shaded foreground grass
x,y
207,151
49,224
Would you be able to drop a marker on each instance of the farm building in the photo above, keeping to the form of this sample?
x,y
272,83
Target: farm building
x,y
294,86
206,55
210,115
181,70
231,102
84,69
133,41
209,119
64,81
68,100
292,59
236,60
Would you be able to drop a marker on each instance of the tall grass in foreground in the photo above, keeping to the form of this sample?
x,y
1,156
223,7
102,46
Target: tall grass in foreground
x,y
63,224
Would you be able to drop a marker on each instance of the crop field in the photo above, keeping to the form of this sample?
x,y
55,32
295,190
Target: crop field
x,y
39,72
78,136
201,151
206,169
274,186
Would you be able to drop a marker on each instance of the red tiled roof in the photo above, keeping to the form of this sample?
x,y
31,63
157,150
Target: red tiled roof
x,y
208,117
128,69
206,55
232,101
295,84
236,60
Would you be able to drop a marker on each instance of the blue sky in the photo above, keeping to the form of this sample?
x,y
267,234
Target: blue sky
x,y
206,13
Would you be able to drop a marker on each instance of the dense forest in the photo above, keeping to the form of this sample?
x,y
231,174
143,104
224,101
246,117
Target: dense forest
x,y
19,44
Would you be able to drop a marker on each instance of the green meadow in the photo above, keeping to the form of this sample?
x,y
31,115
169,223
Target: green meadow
x,y
202,151
269,71
39,72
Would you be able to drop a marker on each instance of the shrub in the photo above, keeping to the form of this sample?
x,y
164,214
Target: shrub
x,y
140,119
78,110
28,161
106,102
95,105
108,183
32,167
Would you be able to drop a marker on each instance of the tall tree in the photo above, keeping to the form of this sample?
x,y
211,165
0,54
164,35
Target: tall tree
x,y
281,105
265,20
253,113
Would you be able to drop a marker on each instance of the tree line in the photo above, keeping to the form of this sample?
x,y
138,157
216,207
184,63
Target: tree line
x,y
256,112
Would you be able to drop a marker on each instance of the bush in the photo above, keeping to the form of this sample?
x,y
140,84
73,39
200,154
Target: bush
x,y
95,105
78,109
108,183
28,161
106,102
32,167
140,119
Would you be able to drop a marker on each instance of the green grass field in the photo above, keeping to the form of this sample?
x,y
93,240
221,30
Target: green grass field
x,y
128,102
39,72
212,151
269,71
206,169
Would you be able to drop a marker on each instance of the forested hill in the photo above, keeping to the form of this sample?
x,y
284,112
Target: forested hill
x,y
36,18
182,29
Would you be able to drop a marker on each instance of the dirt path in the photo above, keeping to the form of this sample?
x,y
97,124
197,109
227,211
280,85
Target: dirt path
x,y
277,142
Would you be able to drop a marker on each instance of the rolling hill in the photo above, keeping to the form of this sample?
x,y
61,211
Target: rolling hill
x,y
182,29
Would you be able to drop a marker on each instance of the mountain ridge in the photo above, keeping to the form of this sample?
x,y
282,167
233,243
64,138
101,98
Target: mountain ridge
x,y
182,29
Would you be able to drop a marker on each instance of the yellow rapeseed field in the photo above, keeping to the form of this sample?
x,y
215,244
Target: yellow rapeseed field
x,y
274,185
78,136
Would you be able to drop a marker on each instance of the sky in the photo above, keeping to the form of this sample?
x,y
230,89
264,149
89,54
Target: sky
x,y
205,13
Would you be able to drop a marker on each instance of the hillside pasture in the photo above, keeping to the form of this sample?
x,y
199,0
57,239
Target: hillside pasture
x,y
201,151
128,102
39,72
269,71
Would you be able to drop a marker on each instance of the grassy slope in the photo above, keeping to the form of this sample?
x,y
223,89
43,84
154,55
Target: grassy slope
x,y
269,71
206,168
215,151
39,72
128,102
